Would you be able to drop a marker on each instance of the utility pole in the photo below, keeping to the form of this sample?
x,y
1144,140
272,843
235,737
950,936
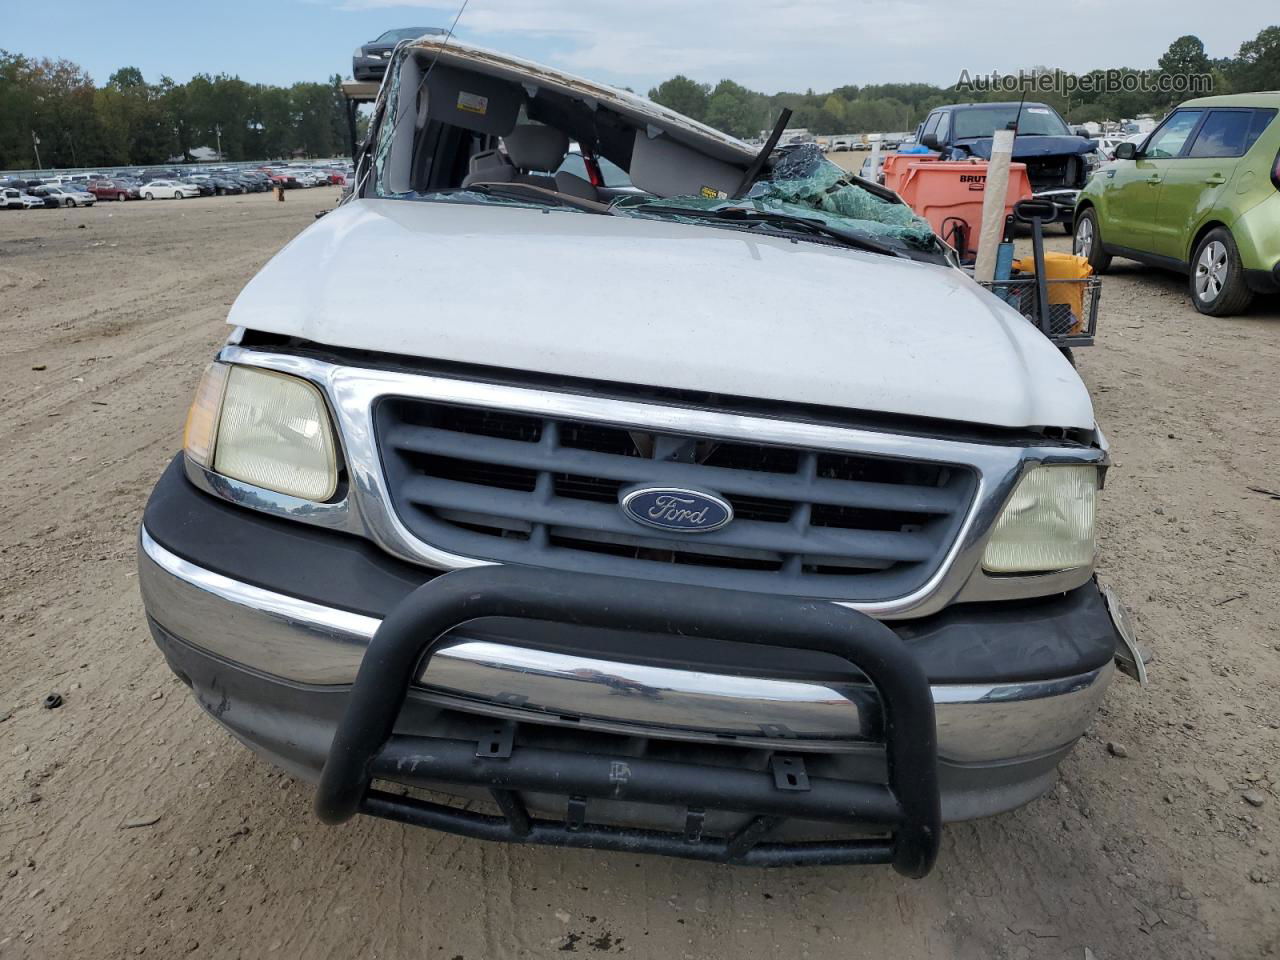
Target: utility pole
x,y
35,142
218,132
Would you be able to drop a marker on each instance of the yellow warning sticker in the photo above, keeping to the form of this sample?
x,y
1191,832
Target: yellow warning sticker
x,y
711,193
473,103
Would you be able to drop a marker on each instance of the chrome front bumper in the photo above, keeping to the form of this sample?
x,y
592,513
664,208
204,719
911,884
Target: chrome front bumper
x,y
307,643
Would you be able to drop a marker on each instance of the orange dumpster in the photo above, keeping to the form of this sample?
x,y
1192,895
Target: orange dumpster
x,y
949,193
895,167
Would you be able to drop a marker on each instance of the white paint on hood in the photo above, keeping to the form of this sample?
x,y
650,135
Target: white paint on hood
x,y
664,304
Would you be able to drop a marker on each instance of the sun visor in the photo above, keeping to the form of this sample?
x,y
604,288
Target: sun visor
x,y
473,101
669,169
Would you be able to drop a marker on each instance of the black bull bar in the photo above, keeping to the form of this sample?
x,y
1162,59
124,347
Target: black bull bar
x,y
906,808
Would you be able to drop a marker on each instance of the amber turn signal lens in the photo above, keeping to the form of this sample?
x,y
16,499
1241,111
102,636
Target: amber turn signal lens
x,y
201,430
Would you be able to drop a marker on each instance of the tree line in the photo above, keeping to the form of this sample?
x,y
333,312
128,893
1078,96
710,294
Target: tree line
x,y
1123,93
54,107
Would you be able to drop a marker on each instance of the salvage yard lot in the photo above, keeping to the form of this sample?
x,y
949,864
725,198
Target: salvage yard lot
x,y
131,825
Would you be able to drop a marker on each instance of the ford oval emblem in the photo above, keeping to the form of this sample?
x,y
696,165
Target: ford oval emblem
x,y
677,509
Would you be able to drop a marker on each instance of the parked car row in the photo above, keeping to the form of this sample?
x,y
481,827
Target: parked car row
x,y
162,184
13,199
294,176
24,197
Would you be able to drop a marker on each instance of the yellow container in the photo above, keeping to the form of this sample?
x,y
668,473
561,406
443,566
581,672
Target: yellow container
x,y
1060,267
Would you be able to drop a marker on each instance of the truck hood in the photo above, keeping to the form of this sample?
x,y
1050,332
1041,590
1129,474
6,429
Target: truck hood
x,y
1027,147
654,303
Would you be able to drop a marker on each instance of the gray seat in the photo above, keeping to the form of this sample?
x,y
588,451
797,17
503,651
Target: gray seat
x,y
534,153
489,167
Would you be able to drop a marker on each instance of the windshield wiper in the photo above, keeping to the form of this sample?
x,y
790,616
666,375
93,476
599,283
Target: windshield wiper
x,y
784,221
531,193
514,191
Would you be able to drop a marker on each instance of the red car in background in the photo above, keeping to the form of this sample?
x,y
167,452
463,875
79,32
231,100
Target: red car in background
x,y
280,178
113,190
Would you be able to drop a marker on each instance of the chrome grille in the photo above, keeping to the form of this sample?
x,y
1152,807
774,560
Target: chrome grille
x,y
516,488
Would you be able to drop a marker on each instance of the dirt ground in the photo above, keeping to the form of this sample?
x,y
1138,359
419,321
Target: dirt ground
x,y
1151,848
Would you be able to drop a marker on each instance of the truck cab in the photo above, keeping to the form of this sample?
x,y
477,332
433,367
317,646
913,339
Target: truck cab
x,y
1058,162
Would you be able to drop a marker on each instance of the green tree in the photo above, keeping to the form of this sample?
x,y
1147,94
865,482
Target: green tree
x,y
1257,66
318,133
833,106
17,111
62,113
1087,112
683,96
133,123
177,115
336,108
735,110
1184,58
273,123
127,79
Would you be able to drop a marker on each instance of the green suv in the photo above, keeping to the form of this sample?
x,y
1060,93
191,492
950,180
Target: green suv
x,y
1201,195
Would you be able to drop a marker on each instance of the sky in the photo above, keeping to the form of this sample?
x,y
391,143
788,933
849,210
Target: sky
x,y
792,45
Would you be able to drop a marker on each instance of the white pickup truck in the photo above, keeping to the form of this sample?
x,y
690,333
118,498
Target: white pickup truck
x,y
576,497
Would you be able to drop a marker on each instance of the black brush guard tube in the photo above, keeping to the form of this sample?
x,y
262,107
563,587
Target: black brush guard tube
x,y
363,747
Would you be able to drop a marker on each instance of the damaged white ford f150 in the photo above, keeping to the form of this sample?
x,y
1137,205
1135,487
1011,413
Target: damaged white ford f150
x,y
708,510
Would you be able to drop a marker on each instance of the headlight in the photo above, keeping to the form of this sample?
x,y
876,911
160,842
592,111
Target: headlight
x,y
265,428
1047,523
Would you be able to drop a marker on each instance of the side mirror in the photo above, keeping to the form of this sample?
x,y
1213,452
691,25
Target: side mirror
x,y
930,140
1126,151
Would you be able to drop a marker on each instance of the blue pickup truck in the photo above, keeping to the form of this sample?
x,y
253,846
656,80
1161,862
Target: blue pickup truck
x,y
1058,162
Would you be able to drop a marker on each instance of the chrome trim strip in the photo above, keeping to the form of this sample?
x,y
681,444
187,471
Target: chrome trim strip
x,y
268,602
303,642
336,515
353,392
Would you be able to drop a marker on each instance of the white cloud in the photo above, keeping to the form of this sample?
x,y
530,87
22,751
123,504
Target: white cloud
x,y
826,43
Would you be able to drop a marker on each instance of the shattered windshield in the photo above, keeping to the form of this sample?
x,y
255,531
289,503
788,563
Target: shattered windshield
x,y
805,184
393,159
803,195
